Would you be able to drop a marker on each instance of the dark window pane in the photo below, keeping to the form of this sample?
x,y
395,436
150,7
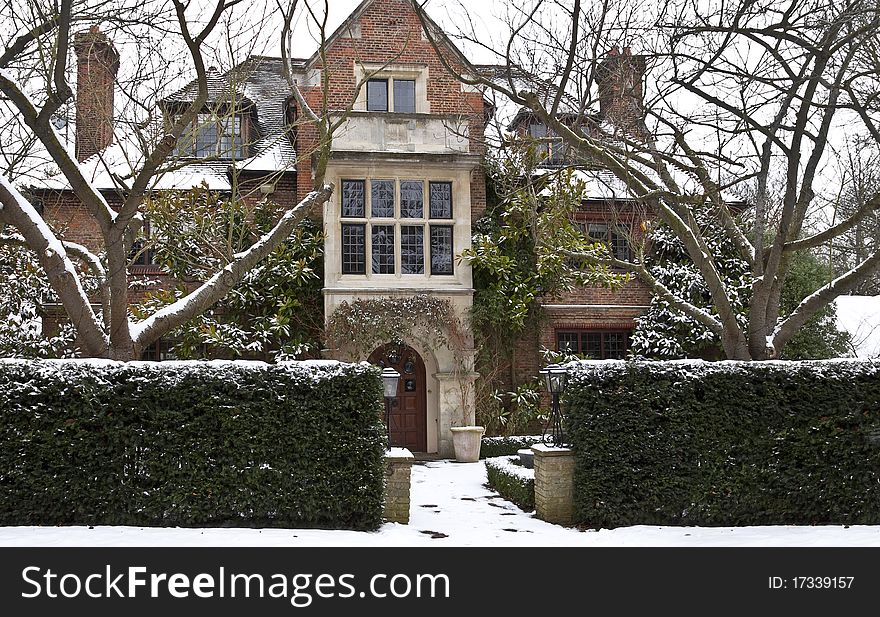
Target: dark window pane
x,y
224,137
377,95
591,345
411,200
598,232
185,143
382,197
557,153
538,131
440,197
230,141
353,255
620,246
412,249
206,136
441,250
567,341
405,95
615,344
353,198
383,249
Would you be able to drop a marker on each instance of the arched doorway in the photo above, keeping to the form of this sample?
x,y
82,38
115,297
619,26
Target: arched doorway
x,y
408,418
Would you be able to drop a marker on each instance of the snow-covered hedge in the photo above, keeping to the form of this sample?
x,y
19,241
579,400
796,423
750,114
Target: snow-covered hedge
x,y
191,444
726,443
513,481
503,445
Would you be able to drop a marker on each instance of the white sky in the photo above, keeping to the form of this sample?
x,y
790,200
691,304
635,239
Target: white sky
x,y
450,498
860,316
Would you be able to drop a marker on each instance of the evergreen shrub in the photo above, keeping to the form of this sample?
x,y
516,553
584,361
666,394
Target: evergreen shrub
x,y
505,445
512,481
725,443
189,444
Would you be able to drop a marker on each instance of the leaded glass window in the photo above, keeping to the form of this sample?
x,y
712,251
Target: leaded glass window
x,y
440,197
412,249
595,344
411,199
382,198
441,249
383,249
353,198
353,249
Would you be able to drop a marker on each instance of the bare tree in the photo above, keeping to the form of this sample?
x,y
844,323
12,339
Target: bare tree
x,y
860,181
735,93
35,86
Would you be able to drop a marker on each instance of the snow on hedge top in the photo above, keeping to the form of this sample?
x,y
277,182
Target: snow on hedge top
x,y
314,371
506,465
695,369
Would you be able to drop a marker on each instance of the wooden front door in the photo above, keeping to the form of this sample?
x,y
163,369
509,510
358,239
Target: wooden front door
x,y
408,417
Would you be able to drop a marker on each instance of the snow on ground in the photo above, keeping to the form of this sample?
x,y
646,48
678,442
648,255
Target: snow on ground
x,y
451,506
860,316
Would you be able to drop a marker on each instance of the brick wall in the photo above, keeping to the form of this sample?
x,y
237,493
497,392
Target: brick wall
x,y
390,32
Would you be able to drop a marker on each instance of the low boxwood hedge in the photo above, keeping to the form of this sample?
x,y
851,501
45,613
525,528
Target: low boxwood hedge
x,y
491,447
727,443
191,444
512,481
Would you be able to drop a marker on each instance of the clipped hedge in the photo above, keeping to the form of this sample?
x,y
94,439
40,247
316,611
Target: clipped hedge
x,y
491,447
512,481
191,444
726,443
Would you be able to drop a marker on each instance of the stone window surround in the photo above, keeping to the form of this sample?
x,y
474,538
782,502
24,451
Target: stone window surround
x,y
415,72
425,222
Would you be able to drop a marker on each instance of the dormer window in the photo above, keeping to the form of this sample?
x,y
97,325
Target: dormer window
x,y
402,97
214,136
547,143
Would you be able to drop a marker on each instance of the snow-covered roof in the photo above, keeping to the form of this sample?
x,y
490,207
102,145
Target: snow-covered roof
x,y
257,83
860,316
221,89
115,167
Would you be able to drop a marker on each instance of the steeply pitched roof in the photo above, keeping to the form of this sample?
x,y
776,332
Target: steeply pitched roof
x,y
257,84
346,26
222,88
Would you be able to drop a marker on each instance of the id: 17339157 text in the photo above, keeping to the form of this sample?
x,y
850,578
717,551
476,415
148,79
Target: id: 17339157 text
x,y
810,582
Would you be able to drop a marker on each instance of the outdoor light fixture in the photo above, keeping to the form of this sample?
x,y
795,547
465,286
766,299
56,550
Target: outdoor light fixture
x,y
554,380
390,381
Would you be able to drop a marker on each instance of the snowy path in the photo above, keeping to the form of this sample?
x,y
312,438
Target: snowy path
x,y
450,507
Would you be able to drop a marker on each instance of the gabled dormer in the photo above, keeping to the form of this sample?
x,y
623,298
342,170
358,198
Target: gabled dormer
x,y
226,126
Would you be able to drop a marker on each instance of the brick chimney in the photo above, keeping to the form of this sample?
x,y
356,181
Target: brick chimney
x,y
96,64
621,91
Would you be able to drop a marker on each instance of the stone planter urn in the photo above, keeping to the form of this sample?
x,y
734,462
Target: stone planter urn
x,y
466,443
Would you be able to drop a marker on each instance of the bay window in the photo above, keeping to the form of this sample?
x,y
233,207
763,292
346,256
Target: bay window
x,y
388,229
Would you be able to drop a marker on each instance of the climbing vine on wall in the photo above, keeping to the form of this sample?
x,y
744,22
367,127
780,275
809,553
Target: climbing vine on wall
x,y
356,328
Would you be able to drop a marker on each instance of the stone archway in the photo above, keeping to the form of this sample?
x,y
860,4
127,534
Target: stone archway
x,y
408,418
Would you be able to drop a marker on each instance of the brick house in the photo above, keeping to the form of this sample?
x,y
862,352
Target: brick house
x,y
407,167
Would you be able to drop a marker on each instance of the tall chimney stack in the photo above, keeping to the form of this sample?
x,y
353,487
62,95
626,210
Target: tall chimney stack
x,y
96,64
621,90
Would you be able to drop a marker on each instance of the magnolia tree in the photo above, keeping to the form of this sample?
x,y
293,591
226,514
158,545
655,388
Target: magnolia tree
x,y
702,102
35,88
